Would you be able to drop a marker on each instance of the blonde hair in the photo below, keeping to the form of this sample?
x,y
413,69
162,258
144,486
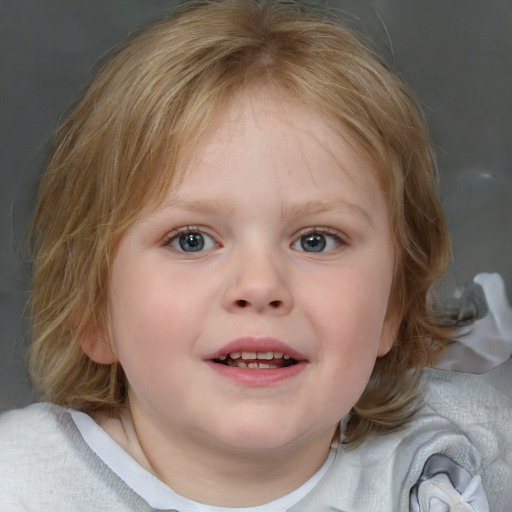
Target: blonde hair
x,y
150,103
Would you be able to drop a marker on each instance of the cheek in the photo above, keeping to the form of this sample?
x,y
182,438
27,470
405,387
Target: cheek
x,y
146,298
152,349
349,321
352,306
147,320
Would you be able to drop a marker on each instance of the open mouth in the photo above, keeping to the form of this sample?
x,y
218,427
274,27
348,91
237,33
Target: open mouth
x,y
256,360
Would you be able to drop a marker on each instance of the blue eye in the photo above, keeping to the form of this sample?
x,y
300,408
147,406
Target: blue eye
x,y
192,241
317,241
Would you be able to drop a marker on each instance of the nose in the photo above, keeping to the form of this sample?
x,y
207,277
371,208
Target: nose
x,y
260,284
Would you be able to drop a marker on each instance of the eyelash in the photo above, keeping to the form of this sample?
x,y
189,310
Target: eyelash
x,y
180,231
175,235
330,233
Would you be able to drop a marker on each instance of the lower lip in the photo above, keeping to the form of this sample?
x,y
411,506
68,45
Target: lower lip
x,y
258,377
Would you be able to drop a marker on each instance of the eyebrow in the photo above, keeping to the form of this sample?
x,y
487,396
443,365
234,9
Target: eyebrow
x,y
200,204
207,205
326,205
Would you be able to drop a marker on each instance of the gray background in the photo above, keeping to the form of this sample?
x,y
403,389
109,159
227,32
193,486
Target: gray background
x,y
456,54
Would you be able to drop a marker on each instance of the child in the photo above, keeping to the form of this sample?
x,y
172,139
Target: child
x,y
234,241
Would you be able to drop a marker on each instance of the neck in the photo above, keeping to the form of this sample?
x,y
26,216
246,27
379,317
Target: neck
x,y
214,475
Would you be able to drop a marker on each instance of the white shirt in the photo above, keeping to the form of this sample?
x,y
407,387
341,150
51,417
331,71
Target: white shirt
x,y
159,495
435,491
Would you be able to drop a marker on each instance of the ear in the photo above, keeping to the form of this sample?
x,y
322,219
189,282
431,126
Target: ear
x,y
98,348
388,334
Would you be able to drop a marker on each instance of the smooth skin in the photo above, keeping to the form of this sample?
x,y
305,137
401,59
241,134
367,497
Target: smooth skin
x,y
277,229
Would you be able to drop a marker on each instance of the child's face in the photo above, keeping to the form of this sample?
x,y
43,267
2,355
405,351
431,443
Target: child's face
x,y
275,242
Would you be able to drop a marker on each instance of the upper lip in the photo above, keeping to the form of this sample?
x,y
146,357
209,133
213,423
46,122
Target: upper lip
x,y
256,344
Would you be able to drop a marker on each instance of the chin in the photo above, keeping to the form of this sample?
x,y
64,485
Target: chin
x,y
258,436
259,445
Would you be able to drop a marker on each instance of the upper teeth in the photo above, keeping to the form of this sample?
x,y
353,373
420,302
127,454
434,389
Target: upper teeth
x,y
255,355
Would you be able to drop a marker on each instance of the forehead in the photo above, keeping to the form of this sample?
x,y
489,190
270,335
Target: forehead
x,y
269,141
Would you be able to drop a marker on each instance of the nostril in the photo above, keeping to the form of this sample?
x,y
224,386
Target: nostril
x,y
274,304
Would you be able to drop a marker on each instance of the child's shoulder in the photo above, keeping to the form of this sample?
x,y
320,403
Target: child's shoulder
x,y
35,446
46,465
480,405
463,430
467,420
31,429
31,440
42,413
